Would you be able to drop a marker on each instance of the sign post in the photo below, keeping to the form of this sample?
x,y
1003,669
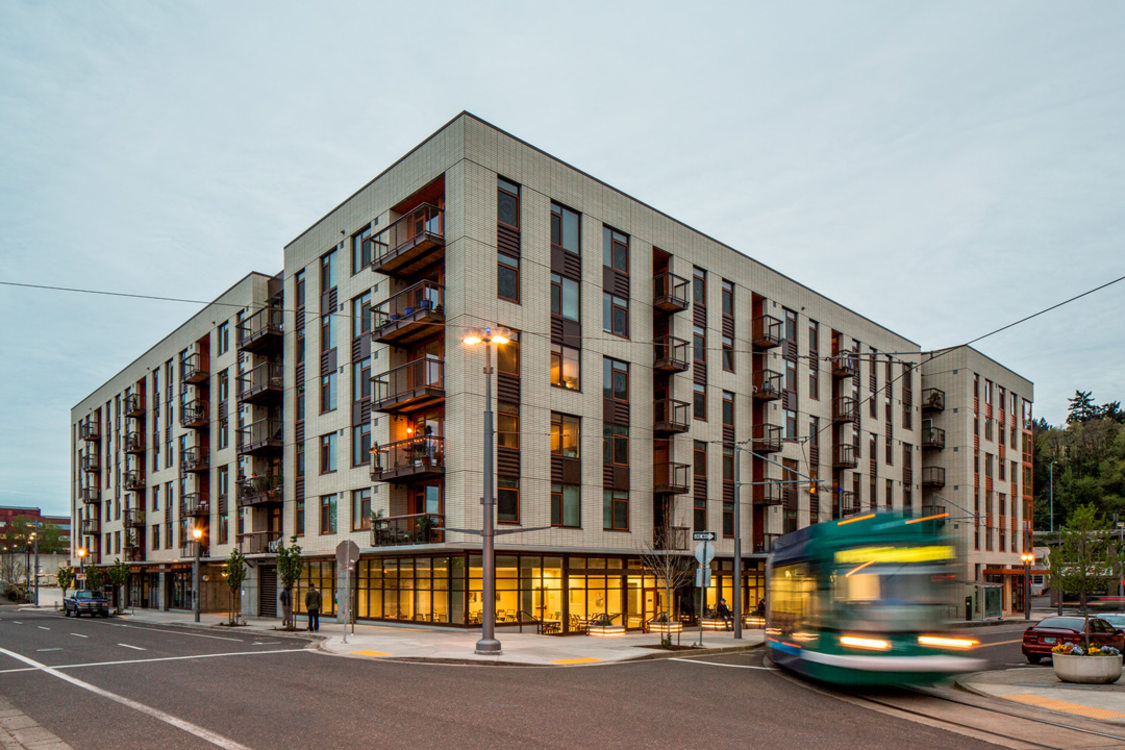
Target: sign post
x,y
347,553
704,554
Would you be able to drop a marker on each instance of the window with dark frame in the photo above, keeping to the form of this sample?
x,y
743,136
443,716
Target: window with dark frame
x,y
361,379
814,360
508,425
299,289
615,510
508,277
699,401
327,514
615,249
328,392
564,297
565,367
615,445
328,271
361,314
327,333
328,453
507,203
361,444
615,379
699,471
565,228
565,435
566,505
699,343
361,509
698,286
728,354
728,298
615,314
361,250
507,499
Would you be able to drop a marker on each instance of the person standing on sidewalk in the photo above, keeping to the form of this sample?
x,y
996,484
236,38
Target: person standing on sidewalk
x,y
312,605
286,609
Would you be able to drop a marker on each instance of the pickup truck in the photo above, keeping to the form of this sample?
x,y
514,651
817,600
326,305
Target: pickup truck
x,y
88,602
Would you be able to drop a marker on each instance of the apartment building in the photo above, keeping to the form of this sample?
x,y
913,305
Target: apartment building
x,y
977,462
645,360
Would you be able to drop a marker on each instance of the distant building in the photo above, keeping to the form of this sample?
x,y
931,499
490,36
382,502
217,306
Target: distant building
x,y
9,513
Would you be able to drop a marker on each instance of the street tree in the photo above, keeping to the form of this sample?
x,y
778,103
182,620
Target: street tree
x,y
672,568
290,565
118,575
65,577
235,572
1088,557
95,578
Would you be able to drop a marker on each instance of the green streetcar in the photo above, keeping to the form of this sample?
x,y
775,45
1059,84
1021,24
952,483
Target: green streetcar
x,y
863,601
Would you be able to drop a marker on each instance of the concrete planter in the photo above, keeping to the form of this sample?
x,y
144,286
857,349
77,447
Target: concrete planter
x,y
1086,669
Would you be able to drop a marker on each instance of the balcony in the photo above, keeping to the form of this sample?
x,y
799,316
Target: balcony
x,y
670,354
669,292
89,495
933,438
193,414
194,504
933,400
192,549
194,460
90,462
408,460
844,457
769,493
89,431
673,538
766,438
134,405
259,542
933,477
670,478
259,491
767,385
766,544
418,383
135,553
89,525
192,368
133,480
135,442
766,332
414,313
845,409
846,503
133,517
671,416
262,332
264,384
845,365
261,438
411,243
415,528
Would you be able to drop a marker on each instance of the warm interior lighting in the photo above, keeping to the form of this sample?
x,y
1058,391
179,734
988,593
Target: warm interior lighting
x,y
938,641
855,641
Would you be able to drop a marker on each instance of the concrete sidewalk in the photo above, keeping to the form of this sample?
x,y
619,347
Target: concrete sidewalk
x,y
427,643
1038,686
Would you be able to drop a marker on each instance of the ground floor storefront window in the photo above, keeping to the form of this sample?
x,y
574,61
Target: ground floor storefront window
x,y
323,574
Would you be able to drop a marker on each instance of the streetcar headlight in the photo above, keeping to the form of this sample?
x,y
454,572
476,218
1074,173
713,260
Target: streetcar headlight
x,y
874,644
943,642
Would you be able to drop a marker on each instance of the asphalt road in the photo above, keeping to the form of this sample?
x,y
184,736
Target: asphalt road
x,y
167,687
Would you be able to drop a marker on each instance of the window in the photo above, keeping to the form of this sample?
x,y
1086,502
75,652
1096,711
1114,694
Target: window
x,y
508,277
888,451
791,376
728,298
566,505
615,379
508,499
328,453
564,367
156,536
508,356
361,379
790,325
300,401
728,353
728,490
699,499
728,409
300,458
361,444
327,333
814,360
508,425
327,271
615,314
507,203
564,228
564,297
327,392
327,514
699,401
156,497
615,510
300,346
699,344
698,286
361,509
615,445
299,288
615,250
224,337
790,424
361,314
299,517
564,435
223,478
361,250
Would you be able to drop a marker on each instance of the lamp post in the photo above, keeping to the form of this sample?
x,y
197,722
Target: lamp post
x,y
197,534
488,644
1027,559
81,552
35,541
1052,471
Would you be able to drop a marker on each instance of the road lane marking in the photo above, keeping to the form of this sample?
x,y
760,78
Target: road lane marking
x,y
48,649
371,653
265,643
41,627
1070,708
717,664
126,645
17,622
1000,643
82,665
205,734
580,660
172,631
80,635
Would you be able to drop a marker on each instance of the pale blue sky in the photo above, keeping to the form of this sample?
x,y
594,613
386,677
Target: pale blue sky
x,y
942,168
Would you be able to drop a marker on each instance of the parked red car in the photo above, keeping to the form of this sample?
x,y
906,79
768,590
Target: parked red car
x,y
1039,639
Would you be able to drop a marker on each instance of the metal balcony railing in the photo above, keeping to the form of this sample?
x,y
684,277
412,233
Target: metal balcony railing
x,y
194,504
194,459
844,457
263,490
134,405
671,416
89,431
193,414
133,480
261,330
933,476
765,332
90,525
845,365
415,312
264,382
933,399
408,459
135,442
770,493
192,549
192,368
671,477
933,438
89,494
766,438
90,462
671,538
263,436
669,292
410,386
670,354
767,385
259,542
411,242
133,517
414,528
845,409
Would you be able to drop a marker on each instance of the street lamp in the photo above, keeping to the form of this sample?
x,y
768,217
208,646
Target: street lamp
x,y
1052,469
488,644
197,534
1027,559
81,552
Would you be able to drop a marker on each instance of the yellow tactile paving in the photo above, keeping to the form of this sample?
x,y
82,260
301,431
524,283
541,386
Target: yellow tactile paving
x,y
581,660
1070,708
371,653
